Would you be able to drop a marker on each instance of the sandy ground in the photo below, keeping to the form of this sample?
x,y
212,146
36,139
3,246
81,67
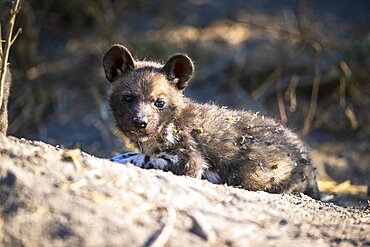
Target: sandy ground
x,y
58,197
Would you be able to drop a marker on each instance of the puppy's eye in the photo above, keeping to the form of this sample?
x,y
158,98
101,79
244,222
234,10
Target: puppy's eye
x,y
128,98
160,104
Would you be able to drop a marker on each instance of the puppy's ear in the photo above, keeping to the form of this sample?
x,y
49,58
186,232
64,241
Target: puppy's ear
x,y
117,61
179,69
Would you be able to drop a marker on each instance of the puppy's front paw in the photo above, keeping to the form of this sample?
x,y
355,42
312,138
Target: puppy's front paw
x,y
136,159
124,158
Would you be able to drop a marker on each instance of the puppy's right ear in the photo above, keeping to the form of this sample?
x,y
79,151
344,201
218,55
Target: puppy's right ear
x,y
117,61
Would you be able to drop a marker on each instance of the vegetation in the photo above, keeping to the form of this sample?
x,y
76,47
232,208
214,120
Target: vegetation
x,y
303,62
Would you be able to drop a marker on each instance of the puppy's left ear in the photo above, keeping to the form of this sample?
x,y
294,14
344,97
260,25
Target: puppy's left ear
x,y
179,69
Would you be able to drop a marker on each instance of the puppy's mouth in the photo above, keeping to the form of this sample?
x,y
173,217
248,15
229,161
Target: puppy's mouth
x,y
142,134
137,135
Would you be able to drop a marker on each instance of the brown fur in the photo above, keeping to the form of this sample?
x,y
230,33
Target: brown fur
x,y
238,148
4,105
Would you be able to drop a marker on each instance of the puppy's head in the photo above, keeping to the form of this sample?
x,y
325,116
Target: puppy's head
x,y
145,95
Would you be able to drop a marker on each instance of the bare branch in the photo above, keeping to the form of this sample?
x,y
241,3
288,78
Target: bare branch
x,y
1,43
8,43
313,106
19,31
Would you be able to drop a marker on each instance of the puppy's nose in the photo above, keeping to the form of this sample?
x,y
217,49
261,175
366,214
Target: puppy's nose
x,y
140,122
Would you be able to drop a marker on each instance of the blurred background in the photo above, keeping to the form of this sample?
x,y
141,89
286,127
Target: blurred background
x,y
305,63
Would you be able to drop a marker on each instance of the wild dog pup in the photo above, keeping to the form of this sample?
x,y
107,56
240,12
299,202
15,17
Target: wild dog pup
x,y
175,134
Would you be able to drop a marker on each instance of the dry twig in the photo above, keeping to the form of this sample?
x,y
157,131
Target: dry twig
x,y
290,93
280,102
313,106
166,231
8,43
274,76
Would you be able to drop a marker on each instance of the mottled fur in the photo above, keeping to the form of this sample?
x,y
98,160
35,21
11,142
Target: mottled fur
x,y
239,148
4,105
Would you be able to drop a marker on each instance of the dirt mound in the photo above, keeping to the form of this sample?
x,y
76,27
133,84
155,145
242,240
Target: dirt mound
x,y
55,197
